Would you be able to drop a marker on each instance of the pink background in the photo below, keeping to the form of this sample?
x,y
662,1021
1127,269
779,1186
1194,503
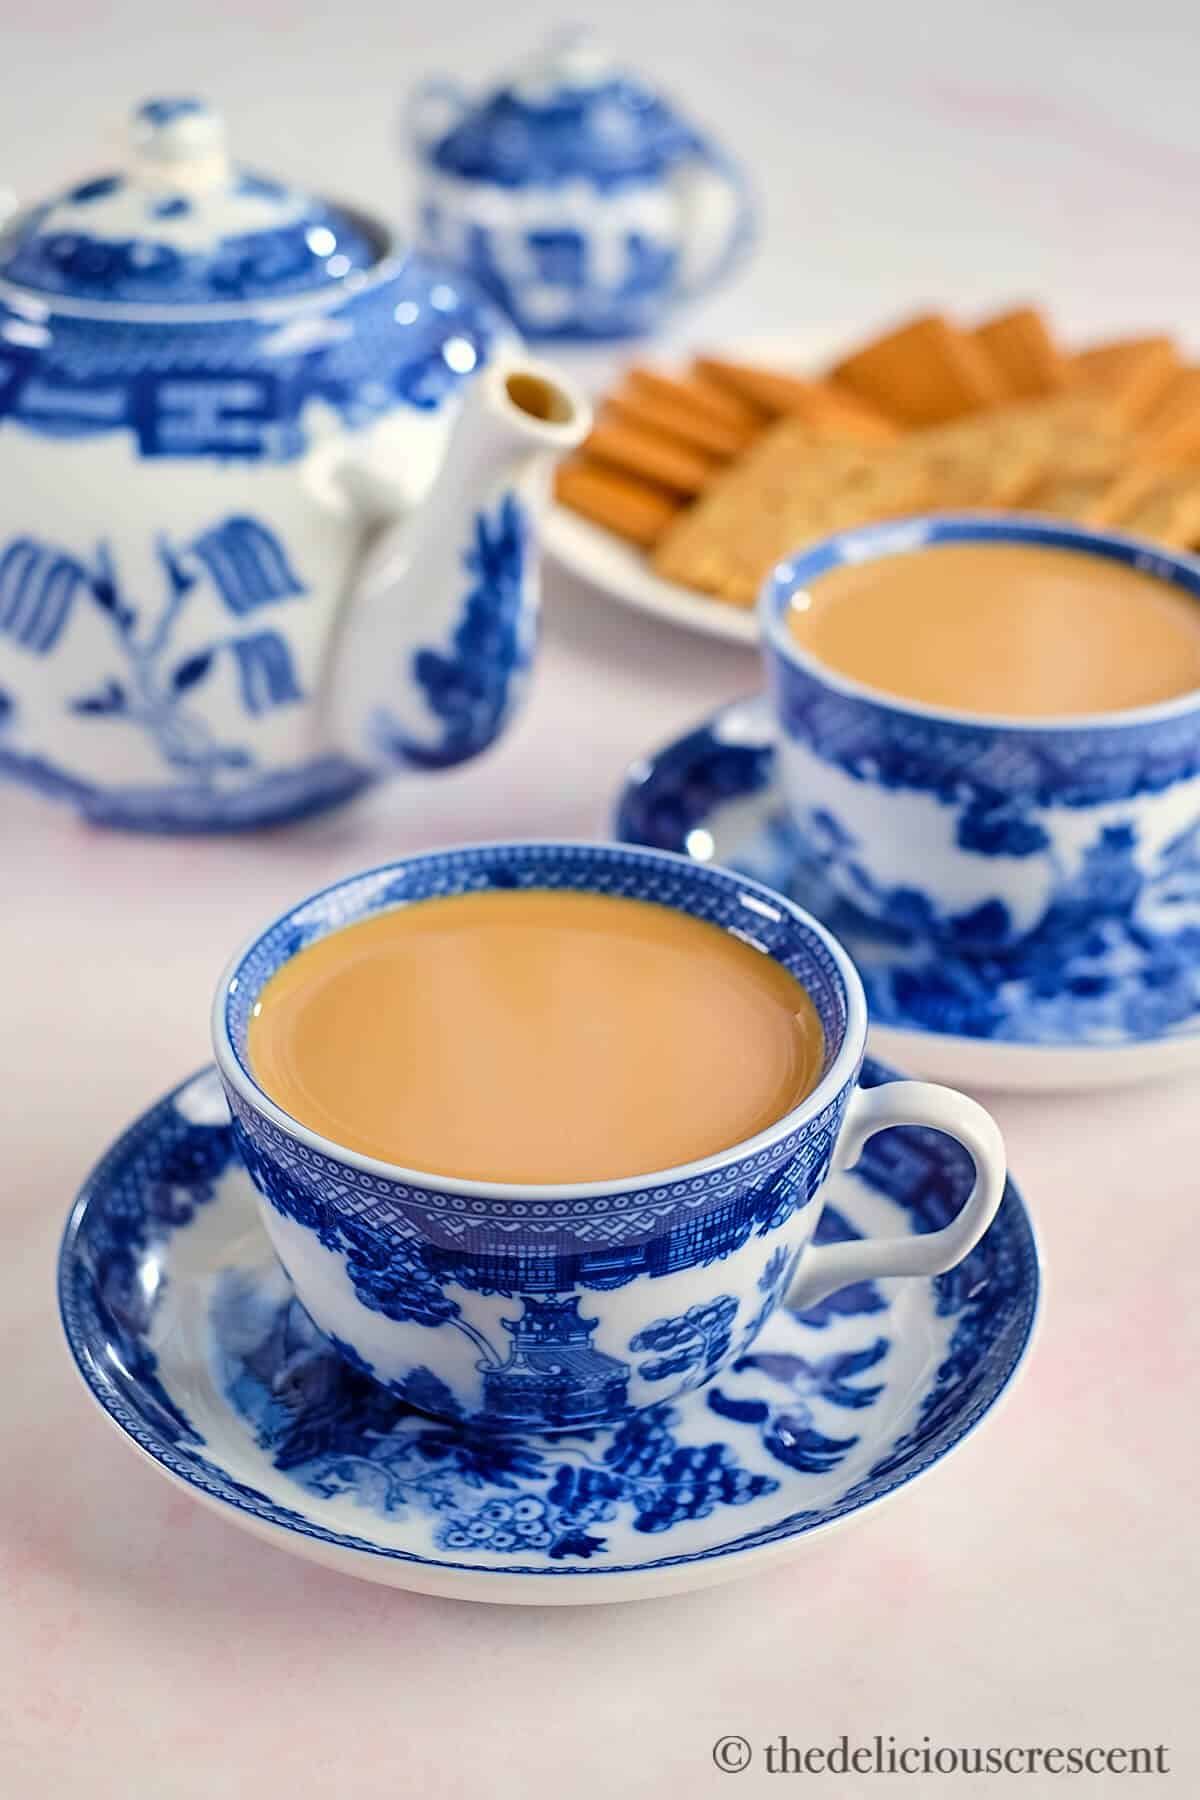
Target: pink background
x,y
1042,1588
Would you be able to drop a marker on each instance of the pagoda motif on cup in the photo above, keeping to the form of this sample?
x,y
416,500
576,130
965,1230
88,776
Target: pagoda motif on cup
x,y
553,1375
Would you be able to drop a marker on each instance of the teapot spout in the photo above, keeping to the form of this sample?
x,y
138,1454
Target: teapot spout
x,y
436,651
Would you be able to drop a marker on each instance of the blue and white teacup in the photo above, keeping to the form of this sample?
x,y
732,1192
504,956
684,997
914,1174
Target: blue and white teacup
x,y
566,1306
983,832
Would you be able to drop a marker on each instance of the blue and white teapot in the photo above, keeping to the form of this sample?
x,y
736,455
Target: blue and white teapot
x,y
217,395
576,195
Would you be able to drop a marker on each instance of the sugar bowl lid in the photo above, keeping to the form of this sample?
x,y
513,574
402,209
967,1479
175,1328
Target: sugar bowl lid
x,y
180,224
569,113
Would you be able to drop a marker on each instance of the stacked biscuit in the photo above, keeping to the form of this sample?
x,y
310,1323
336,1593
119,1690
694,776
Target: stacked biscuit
x,y
719,473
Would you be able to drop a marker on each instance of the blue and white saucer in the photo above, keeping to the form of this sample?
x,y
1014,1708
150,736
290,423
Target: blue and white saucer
x,y
1119,1004
186,1331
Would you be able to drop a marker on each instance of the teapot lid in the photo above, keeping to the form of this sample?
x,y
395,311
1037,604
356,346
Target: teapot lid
x,y
182,224
570,113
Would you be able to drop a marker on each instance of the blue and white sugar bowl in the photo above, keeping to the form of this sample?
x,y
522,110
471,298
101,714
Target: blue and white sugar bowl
x,y
218,397
576,195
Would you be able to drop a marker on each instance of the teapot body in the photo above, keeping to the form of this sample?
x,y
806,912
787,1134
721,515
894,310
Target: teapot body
x,y
180,537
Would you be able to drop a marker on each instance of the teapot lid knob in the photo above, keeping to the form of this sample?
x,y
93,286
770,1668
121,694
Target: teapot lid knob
x,y
180,136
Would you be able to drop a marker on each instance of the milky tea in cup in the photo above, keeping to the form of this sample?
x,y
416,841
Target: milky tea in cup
x,y
1027,630
535,1036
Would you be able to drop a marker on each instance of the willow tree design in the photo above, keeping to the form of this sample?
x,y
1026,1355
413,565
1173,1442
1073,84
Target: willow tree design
x,y
239,559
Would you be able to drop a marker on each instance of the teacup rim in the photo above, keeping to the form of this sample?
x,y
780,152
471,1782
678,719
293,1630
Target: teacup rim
x,y
842,1070
1178,568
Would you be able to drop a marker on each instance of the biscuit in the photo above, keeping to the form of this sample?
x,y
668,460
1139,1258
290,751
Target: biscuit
x,y
700,430
1171,430
650,455
925,372
828,409
1134,372
633,509
1152,501
1081,454
990,459
1023,353
699,394
787,492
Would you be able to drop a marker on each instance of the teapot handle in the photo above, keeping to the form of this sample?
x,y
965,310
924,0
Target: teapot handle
x,y
432,109
718,219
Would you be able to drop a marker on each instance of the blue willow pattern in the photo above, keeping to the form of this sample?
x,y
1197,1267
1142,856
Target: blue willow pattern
x,y
524,1501
243,562
471,686
1116,957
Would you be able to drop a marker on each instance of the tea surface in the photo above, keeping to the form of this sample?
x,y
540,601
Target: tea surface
x,y
535,1036
1021,629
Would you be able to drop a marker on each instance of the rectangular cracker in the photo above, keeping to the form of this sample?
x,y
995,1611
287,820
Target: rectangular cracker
x,y
787,492
1135,373
1023,353
635,510
694,391
1081,451
1171,430
650,455
833,411
925,372
1074,494
1152,501
837,411
768,390
699,430
989,460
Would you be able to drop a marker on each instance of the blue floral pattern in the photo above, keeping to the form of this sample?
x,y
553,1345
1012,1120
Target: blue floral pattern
x,y
594,260
1116,958
84,249
334,1431
471,688
996,810
244,563
695,1342
296,1429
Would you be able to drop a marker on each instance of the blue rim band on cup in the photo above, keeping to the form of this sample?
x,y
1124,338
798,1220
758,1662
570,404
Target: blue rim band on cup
x,y
979,830
788,934
556,1306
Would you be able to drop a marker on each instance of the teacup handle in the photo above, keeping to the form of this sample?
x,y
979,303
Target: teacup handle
x,y
826,1267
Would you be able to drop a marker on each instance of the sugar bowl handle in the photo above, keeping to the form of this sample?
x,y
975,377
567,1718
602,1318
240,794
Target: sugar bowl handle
x,y
824,1268
717,219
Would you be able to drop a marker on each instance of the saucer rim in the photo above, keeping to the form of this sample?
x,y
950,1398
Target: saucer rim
x,y
443,1575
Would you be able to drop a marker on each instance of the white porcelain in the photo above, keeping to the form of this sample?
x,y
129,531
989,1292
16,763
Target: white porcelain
x,y
223,405
985,833
1119,1004
189,1337
550,1305
575,194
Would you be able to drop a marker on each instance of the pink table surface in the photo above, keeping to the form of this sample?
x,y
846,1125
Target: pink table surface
x,y
1040,1589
